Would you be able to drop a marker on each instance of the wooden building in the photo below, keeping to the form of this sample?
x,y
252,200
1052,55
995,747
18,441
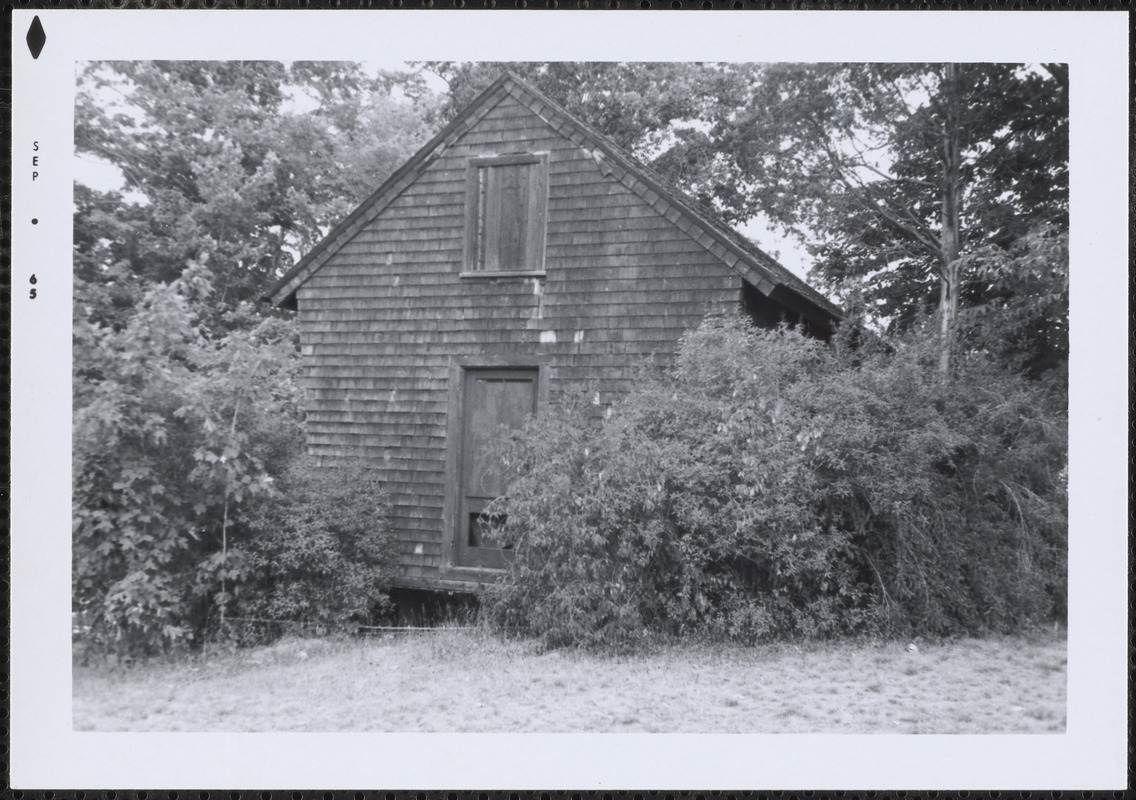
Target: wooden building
x,y
515,252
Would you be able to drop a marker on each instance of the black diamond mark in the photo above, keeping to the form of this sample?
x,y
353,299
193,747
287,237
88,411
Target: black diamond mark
x,y
36,37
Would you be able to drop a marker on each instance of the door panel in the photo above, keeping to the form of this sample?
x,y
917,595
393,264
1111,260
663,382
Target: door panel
x,y
494,401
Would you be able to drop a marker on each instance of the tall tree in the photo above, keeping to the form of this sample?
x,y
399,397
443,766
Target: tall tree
x,y
243,165
893,173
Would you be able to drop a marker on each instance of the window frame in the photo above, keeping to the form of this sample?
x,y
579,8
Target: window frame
x,y
536,233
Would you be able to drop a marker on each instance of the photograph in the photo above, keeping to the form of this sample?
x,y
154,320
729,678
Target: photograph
x,y
601,396
528,393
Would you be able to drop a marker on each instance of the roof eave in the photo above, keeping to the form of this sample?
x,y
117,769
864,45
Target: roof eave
x,y
787,296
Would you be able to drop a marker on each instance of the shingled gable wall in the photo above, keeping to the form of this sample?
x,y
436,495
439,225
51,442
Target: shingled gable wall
x,y
387,322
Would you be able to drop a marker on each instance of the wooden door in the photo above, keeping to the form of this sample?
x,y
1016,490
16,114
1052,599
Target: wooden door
x,y
494,401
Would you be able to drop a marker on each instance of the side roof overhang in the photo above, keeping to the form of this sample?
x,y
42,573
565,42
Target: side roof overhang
x,y
755,266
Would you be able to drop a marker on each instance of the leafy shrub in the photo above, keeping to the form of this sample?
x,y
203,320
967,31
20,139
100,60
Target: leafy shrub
x,y
190,496
321,550
173,431
775,485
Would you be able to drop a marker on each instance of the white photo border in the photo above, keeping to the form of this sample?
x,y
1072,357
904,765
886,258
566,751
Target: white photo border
x,y
46,753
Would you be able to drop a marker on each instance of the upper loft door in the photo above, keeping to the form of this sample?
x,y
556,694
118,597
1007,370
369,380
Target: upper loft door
x,y
494,401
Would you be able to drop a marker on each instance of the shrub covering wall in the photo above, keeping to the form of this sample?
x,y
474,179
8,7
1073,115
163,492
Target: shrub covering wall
x,y
774,485
189,491
322,551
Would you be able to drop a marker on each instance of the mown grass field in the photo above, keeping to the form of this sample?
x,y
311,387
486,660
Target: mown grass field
x,y
454,680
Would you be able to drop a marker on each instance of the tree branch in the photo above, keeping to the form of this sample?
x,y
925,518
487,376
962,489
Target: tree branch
x,y
861,190
1060,73
897,178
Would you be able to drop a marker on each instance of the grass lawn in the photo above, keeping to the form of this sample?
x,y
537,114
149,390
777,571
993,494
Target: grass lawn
x,y
455,680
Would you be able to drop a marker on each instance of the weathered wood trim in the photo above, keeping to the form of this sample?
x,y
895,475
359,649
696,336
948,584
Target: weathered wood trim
x,y
506,160
536,235
456,390
537,361
472,201
505,273
468,578
461,580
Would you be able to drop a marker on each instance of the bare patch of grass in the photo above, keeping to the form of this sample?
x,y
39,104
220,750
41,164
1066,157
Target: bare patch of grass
x,y
455,680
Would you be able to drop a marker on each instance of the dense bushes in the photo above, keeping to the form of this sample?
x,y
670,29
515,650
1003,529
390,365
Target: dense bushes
x,y
174,430
178,435
775,485
321,551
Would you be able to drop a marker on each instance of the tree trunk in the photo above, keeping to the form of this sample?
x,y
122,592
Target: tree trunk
x,y
950,282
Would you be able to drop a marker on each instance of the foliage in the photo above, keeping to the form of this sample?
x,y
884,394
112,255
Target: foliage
x,y
320,550
774,485
892,173
186,398
238,164
1024,319
173,431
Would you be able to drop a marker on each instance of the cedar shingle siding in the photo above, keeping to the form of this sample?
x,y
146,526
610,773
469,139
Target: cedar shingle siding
x,y
389,323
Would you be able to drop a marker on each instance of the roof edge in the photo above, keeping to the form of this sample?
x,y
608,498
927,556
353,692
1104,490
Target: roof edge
x,y
750,262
